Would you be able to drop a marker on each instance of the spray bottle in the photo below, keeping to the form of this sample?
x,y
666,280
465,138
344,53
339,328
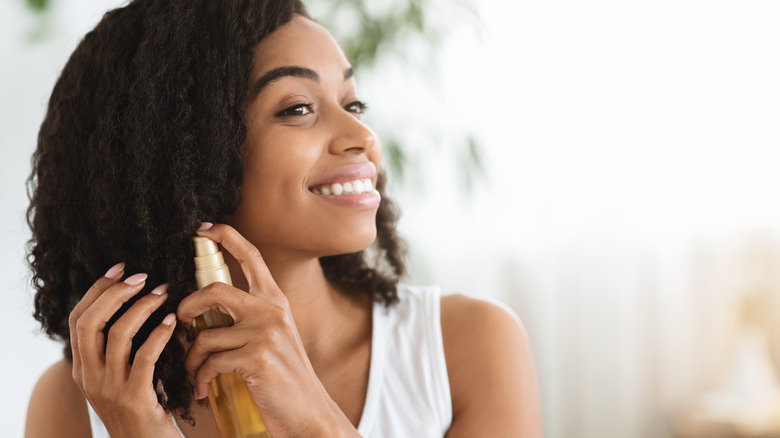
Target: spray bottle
x,y
235,411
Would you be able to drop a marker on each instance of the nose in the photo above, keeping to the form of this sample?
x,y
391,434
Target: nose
x,y
350,134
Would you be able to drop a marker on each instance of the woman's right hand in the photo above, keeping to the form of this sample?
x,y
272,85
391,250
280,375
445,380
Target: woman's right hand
x,y
121,393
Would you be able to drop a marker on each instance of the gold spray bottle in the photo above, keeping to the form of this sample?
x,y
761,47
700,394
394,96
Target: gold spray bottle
x,y
235,411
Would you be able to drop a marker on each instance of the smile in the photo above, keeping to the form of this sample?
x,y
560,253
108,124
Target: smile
x,y
355,187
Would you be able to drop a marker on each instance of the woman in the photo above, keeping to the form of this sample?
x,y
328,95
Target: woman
x,y
243,113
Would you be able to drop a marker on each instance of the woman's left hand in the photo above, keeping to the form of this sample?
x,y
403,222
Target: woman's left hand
x,y
263,346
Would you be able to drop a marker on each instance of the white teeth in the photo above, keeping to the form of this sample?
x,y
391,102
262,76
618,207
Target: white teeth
x,y
347,188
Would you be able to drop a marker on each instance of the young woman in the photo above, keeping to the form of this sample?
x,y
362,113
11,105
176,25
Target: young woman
x,y
245,114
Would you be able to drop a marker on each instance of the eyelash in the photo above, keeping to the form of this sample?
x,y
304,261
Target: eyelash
x,y
359,107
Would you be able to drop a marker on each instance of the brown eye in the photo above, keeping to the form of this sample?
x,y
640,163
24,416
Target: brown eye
x,y
301,109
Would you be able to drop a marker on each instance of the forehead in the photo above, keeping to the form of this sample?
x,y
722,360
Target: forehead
x,y
300,42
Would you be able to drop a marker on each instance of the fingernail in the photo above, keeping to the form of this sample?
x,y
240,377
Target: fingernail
x,y
136,279
115,270
161,289
205,226
170,319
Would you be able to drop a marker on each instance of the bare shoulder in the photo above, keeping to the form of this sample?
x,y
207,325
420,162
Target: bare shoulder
x,y
491,370
57,407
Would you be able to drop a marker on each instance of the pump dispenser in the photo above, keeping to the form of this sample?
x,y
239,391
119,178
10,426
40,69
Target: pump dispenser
x,y
235,411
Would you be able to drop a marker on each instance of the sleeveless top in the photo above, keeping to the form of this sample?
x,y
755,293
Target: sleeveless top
x,y
408,387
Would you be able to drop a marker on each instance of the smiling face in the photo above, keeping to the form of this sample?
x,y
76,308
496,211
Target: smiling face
x,y
305,149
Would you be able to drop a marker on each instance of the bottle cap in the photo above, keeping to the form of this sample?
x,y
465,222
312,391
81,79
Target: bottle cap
x,y
204,246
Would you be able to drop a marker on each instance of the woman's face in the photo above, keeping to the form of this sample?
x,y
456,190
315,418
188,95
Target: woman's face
x,y
305,140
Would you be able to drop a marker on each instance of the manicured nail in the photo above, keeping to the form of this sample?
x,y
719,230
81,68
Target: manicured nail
x,y
159,290
136,279
115,271
170,319
205,226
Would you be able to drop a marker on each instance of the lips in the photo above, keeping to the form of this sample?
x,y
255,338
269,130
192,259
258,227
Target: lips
x,y
355,187
345,175
350,186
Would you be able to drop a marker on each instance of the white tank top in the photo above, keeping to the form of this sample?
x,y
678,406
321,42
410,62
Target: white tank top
x,y
408,387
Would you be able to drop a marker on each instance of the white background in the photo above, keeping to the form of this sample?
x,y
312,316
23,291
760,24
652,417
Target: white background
x,y
631,201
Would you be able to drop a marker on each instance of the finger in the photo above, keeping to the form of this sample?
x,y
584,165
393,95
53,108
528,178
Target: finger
x,y
248,256
119,341
220,363
212,341
142,371
216,296
111,277
92,322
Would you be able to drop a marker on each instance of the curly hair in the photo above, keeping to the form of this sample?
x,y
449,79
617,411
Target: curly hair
x,y
142,140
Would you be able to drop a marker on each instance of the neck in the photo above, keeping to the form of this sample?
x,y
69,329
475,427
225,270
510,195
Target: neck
x,y
321,310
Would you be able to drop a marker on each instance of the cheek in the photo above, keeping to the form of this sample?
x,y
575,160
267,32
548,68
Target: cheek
x,y
273,190
279,159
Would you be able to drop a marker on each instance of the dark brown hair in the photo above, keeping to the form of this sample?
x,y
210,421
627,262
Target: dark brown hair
x,y
142,140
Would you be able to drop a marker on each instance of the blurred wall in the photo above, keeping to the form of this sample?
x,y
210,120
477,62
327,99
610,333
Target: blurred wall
x,y
633,150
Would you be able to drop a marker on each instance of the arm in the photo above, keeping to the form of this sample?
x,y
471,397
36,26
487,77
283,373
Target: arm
x,y
121,393
57,407
490,365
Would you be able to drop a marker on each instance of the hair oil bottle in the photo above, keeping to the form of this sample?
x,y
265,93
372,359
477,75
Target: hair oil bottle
x,y
235,411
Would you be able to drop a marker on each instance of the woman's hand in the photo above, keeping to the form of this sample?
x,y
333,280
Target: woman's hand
x,y
263,346
121,393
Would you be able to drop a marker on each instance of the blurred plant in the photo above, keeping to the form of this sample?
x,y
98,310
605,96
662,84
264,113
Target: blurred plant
x,y
382,33
376,32
38,5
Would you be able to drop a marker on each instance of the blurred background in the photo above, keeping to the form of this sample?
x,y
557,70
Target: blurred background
x,y
608,169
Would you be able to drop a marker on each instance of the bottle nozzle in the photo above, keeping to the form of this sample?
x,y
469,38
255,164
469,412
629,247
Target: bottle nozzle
x,y
209,264
204,246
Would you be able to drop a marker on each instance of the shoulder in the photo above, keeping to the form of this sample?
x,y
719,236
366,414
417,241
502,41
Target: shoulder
x,y
491,370
57,407
471,325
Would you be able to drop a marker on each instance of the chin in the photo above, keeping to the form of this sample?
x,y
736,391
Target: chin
x,y
355,243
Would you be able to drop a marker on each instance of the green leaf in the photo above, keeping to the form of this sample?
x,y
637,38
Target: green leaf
x,y
38,6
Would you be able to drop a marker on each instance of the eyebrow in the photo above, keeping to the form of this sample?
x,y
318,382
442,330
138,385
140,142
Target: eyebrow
x,y
295,71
